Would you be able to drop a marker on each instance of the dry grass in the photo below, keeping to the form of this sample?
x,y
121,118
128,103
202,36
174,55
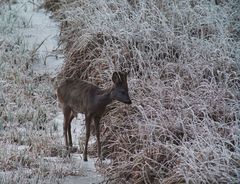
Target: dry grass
x,y
183,58
51,5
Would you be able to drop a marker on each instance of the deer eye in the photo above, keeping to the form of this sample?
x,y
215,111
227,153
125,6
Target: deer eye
x,y
119,84
123,92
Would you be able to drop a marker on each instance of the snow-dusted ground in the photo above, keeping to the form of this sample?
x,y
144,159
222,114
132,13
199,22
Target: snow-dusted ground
x,y
89,170
42,34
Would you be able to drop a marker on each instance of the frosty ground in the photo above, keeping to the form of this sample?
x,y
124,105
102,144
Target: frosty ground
x,y
31,140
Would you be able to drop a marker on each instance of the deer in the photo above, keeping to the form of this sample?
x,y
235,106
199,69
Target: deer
x,y
79,96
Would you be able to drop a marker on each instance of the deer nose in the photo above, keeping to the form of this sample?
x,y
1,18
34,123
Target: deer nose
x,y
129,102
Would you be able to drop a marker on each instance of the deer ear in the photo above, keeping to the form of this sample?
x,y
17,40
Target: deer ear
x,y
115,77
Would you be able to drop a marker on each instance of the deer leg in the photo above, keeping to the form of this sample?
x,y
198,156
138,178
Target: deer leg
x,y
97,128
66,113
88,122
69,130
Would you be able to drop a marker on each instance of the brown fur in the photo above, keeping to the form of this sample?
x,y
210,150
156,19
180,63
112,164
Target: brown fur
x,y
78,96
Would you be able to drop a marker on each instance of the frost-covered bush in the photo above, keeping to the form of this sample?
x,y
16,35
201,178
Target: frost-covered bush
x,y
183,59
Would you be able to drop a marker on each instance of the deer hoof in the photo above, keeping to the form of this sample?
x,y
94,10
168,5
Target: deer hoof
x,y
85,160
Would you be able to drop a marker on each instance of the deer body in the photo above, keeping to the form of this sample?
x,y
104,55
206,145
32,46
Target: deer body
x,y
78,96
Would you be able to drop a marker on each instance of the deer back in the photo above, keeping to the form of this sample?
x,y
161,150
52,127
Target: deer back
x,y
79,95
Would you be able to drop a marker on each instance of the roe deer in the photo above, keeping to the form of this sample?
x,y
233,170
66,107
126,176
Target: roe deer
x,y
78,96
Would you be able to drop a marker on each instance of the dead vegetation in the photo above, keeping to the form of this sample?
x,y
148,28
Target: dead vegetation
x,y
183,59
51,5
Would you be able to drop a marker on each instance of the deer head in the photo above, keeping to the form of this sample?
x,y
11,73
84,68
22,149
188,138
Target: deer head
x,y
120,88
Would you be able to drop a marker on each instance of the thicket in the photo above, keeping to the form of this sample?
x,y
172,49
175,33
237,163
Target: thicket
x,y
183,61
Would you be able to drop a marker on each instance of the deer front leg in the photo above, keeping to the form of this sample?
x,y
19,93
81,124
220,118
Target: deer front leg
x,y
97,128
88,122
65,133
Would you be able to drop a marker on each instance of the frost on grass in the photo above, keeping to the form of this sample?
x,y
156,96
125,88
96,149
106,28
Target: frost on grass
x,y
183,58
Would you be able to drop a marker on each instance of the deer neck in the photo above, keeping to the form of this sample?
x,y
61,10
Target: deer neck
x,y
105,97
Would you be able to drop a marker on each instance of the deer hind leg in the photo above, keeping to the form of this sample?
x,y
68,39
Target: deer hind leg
x,y
69,129
88,122
97,129
67,114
